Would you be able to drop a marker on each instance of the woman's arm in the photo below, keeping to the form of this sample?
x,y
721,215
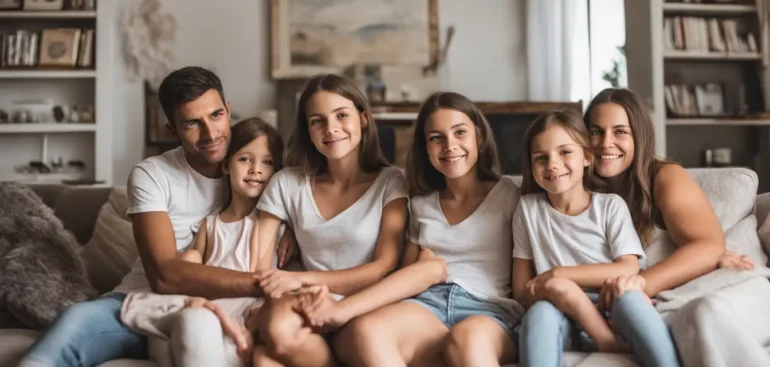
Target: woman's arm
x,y
349,281
693,226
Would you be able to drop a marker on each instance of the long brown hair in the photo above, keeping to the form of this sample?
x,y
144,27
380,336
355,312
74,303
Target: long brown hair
x,y
635,185
422,176
571,122
301,151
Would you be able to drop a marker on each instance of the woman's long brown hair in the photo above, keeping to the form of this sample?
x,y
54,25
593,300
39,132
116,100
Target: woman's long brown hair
x,y
301,151
635,185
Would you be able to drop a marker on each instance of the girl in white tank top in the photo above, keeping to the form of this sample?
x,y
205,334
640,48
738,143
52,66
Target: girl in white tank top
x,y
224,239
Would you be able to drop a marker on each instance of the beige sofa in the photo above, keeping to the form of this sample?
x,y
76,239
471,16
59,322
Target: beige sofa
x,y
84,209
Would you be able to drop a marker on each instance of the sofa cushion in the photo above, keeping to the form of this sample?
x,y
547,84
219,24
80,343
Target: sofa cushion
x,y
732,192
111,251
78,206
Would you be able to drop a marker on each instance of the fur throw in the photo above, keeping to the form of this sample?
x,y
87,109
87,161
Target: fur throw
x,y
42,272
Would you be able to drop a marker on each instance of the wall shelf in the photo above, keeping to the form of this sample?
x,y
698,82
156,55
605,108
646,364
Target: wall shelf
x,y
715,56
61,14
46,74
708,9
47,128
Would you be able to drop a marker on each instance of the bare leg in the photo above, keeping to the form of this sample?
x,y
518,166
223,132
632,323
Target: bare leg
x,y
405,329
260,358
479,341
288,339
569,298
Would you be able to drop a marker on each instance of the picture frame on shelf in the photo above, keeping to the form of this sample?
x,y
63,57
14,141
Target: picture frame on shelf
x,y
59,47
710,99
43,5
156,131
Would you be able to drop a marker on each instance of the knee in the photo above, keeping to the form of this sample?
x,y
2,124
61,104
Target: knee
x,y
562,291
283,332
359,337
460,344
543,314
195,327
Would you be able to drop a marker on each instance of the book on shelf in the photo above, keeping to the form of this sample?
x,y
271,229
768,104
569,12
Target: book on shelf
x,y
695,100
699,34
25,48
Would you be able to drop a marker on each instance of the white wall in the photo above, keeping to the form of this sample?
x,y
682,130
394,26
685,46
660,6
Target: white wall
x,y
487,59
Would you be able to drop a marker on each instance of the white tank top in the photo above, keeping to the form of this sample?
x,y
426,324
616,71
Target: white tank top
x,y
228,243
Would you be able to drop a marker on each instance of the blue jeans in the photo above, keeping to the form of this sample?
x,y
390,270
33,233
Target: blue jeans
x,y
545,332
87,334
452,304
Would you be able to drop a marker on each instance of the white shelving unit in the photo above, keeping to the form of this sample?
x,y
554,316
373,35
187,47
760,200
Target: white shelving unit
x,y
63,14
742,75
90,143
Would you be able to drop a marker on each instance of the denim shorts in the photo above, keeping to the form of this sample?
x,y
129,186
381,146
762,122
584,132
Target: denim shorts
x,y
452,304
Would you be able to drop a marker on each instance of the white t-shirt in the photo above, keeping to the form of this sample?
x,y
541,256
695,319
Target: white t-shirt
x,y
600,234
167,183
477,250
345,241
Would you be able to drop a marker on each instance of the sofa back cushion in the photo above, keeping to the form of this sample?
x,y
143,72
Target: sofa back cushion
x,y
111,251
732,193
76,206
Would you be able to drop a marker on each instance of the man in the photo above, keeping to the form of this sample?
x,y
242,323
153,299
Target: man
x,y
168,196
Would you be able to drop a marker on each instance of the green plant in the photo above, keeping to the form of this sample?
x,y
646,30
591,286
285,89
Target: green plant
x,y
618,66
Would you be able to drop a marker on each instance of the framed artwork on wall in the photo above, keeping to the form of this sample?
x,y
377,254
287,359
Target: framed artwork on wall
x,y
307,36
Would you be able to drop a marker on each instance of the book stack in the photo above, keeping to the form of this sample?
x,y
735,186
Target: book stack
x,y
697,34
61,47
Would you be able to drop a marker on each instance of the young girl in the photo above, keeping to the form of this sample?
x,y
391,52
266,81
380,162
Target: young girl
x,y
461,210
348,210
567,241
224,239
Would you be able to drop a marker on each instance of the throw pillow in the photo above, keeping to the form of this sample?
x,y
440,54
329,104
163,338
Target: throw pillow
x,y
42,272
111,251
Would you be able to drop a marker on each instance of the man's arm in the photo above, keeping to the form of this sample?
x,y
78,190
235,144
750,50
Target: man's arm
x,y
166,274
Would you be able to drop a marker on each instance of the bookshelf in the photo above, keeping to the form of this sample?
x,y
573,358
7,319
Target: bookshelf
x,y
701,71
56,112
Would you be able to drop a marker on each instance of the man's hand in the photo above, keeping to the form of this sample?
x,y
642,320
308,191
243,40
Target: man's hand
x,y
279,282
615,287
287,248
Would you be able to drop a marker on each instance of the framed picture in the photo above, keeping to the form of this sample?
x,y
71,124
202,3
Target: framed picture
x,y
307,39
10,4
156,132
43,4
59,47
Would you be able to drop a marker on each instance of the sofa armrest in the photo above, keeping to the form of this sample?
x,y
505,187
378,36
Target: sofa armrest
x,y
762,208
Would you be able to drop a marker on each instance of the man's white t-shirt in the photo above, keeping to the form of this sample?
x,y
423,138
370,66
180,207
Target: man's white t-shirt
x,y
167,183
600,234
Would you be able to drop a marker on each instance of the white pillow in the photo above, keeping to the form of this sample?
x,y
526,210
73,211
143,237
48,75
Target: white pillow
x,y
111,251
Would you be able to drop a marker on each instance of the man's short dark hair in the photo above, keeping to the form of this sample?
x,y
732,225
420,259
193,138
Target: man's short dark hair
x,y
184,85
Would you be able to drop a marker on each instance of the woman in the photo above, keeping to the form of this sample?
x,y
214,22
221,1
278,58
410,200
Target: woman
x,y
666,201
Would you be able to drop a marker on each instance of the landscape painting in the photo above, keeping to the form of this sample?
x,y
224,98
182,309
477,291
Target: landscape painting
x,y
312,36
